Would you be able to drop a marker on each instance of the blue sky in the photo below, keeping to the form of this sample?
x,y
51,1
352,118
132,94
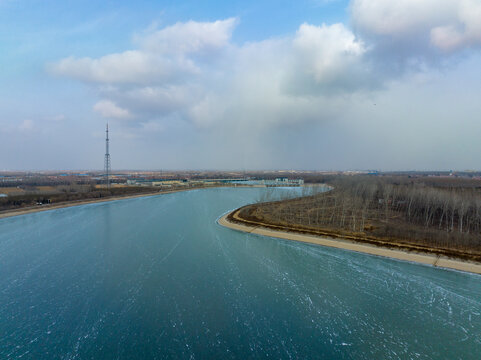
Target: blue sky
x,y
307,84
34,32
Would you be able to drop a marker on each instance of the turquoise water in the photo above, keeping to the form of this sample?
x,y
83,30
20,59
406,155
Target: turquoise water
x,y
157,277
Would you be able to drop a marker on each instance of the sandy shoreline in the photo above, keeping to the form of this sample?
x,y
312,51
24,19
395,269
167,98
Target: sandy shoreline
x,y
433,260
30,210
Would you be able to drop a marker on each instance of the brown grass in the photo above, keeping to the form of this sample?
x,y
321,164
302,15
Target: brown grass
x,y
423,218
11,190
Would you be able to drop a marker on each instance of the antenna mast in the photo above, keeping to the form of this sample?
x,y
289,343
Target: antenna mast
x,y
107,158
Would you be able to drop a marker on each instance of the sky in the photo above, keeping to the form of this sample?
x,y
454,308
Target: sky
x,y
241,85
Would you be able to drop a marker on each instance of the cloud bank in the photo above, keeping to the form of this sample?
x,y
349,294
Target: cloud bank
x,y
193,70
446,25
192,73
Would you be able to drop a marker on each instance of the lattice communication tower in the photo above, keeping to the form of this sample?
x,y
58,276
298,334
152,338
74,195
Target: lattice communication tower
x,y
107,158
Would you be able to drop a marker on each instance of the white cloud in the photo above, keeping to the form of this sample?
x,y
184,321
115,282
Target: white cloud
x,y
156,99
327,49
446,25
401,17
189,37
264,83
129,67
165,55
329,58
109,109
464,32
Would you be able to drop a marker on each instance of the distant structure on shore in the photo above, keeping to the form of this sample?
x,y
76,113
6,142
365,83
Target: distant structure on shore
x,y
283,181
107,158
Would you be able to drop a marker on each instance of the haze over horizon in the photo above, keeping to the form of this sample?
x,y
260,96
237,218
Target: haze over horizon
x,y
310,84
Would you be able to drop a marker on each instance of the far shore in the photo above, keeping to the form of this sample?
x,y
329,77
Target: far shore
x,y
423,258
65,204
46,207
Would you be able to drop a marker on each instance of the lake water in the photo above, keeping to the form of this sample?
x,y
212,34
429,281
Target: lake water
x,y
157,277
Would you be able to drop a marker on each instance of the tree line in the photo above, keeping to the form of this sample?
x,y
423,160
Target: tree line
x,y
439,214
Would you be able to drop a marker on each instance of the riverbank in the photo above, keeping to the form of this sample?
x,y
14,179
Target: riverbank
x,y
232,221
46,207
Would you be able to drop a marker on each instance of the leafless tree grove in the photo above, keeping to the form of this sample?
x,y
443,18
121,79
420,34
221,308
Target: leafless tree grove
x,y
438,216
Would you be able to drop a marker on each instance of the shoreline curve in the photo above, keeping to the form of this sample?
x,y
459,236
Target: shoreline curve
x,y
426,259
31,210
